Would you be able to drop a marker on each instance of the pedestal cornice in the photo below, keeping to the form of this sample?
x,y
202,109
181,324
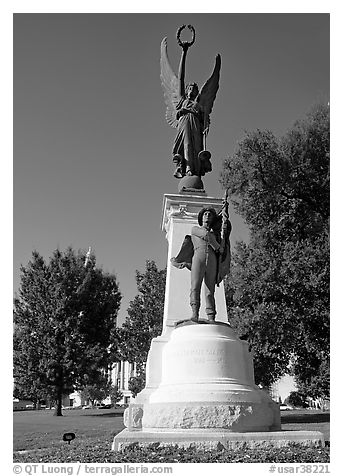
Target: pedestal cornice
x,y
185,206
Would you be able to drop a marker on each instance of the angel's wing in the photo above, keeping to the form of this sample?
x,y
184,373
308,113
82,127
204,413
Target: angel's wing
x,y
208,92
170,86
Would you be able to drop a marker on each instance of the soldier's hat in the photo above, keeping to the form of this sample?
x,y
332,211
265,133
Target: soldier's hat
x,y
202,211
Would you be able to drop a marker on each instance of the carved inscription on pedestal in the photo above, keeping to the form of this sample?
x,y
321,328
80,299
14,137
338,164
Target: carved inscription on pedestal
x,y
197,356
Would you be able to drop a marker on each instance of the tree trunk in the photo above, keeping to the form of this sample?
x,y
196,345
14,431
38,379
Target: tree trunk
x,y
58,406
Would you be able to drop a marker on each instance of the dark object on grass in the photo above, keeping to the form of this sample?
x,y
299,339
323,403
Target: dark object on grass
x,y
68,437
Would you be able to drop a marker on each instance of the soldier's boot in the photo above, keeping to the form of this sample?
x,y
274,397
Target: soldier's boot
x,y
195,312
211,317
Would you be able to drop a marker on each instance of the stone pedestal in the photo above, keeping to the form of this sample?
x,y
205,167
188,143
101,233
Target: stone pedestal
x,y
200,386
207,382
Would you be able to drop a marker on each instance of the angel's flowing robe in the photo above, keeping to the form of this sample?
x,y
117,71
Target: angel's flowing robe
x,y
189,139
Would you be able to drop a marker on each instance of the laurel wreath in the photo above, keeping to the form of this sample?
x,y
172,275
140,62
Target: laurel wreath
x,y
185,43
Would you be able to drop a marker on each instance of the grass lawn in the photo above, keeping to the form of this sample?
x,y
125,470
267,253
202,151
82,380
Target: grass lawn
x,y
41,429
38,434
313,420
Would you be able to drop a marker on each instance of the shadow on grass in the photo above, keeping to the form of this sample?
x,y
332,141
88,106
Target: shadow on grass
x,y
108,414
305,417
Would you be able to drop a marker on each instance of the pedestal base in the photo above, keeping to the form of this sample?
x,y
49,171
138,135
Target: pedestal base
x,y
261,416
211,440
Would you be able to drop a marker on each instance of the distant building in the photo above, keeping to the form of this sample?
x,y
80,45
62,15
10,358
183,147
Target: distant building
x,y
120,376
319,403
74,400
22,404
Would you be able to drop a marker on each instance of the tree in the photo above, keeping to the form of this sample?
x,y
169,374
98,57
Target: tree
x,y
97,391
278,291
65,325
136,384
296,399
115,394
144,320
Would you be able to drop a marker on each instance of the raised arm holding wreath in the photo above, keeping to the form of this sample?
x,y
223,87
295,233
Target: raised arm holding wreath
x,y
189,111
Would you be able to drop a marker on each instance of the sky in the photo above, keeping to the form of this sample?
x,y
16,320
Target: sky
x,y
91,147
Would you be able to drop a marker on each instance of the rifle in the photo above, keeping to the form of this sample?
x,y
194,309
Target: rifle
x,y
224,212
225,208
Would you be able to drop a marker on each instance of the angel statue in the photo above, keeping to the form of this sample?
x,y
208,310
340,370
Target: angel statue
x,y
189,111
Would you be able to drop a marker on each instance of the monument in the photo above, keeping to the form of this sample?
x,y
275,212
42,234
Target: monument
x,y
200,389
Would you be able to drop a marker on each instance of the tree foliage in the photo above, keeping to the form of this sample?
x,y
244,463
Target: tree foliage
x,y
278,291
144,320
97,391
115,394
297,399
65,325
136,384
